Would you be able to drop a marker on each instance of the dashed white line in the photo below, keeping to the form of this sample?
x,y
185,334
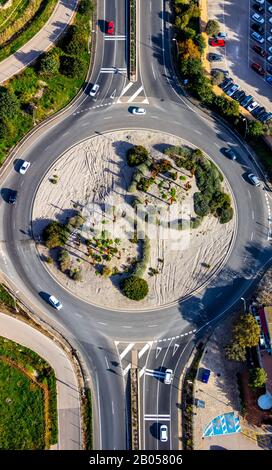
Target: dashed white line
x,y
251,238
253,215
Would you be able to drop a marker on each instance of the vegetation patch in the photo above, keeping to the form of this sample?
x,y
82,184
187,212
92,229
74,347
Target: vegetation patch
x,y
48,85
135,288
27,398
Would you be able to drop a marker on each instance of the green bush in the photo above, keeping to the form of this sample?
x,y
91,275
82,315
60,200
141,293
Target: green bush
x,y
225,214
77,220
9,105
75,41
143,263
137,155
55,235
201,205
71,66
50,63
85,7
7,129
134,288
212,27
64,260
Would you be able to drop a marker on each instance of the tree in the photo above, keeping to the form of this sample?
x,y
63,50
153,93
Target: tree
x,y
85,7
201,88
234,352
71,66
190,67
247,331
137,155
134,288
217,77
64,260
257,377
212,27
255,129
50,63
189,50
201,43
9,104
76,41
55,234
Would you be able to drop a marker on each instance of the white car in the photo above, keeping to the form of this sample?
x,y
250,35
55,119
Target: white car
x,y
270,19
269,58
269,9
254,179
138,111
258,18
257,37
94,90
163,433
261,2
168,376
55,302
24,167
232,90
252,106
269,39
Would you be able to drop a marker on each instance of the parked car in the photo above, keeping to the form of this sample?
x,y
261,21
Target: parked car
x,y
168,376
270,9
257,37
110,27
205,376
269,39
232,89
258,8
163,433
269,79
270,49
258,18
265,117
269,69
24,167
12,198
140,111
226,83
258,68
239,95
246,100
217,42
55,302
258,111
229,152
94,90
214,57
225,72
269,59
254,179
258,28
252,106
261,2
221,35
259,50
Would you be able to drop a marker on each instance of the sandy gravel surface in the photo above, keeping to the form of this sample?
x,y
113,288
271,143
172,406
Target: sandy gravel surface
x,y
95,171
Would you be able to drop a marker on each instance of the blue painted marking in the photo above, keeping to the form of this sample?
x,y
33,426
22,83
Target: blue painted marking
x,y
227,423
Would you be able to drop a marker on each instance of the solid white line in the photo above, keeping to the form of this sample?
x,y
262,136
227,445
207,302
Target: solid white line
x,y
107,363
197,132
112,409
249,194
253,215
251,238
128,348
125,371
115,38
156,418
153,71
135,94
143,350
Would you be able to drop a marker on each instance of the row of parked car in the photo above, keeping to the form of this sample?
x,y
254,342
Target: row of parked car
x,y
247,101
261,32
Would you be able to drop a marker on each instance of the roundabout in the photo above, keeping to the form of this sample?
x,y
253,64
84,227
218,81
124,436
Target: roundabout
x,y
93,179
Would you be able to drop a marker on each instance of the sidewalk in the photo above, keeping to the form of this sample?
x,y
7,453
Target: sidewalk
x,y
41,42
68,400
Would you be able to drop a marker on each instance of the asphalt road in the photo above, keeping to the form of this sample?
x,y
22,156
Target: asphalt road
x,y
92,329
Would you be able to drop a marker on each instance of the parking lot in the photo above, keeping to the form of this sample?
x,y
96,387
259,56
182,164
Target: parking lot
x,y
238,55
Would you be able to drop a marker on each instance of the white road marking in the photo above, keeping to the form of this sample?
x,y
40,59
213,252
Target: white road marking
x,y
197,132
249,194
101,323
176,346
127,87
115,38
137,92
142,371
154,373
112,409
218,146
158,350
125,326
253,215
251,238
125,371
144,349
156,417
107,363
128,348
153,71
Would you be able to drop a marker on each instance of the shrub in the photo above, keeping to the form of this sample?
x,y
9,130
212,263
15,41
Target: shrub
x,y
50,63
137,155
76,274
85,7
201,205
64,260
255,129
9,105
77,220
257,377
134,288
71,66
217,77
75,41
212,27
7,129
55,234
142,264
225,214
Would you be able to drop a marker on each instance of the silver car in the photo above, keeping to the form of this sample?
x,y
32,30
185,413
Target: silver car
x,y
254,179
55,302
140,111
94,90
163,433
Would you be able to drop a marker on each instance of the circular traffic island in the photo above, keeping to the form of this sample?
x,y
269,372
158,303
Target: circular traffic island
x,y
133,220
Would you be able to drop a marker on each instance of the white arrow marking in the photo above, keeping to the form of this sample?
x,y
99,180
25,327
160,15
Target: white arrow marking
x,y
176,346
112,96
158,350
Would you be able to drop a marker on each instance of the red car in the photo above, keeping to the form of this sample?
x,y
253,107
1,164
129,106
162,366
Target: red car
x,y
258,68
217,42
110,27
259,50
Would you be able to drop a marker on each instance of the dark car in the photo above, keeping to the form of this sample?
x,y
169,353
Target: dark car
x,y
259,50
269,69
215,71
214,57
229,152
258,8
225,83
258,111
205,376
258,28
238,95
12,197
246,100
258,68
